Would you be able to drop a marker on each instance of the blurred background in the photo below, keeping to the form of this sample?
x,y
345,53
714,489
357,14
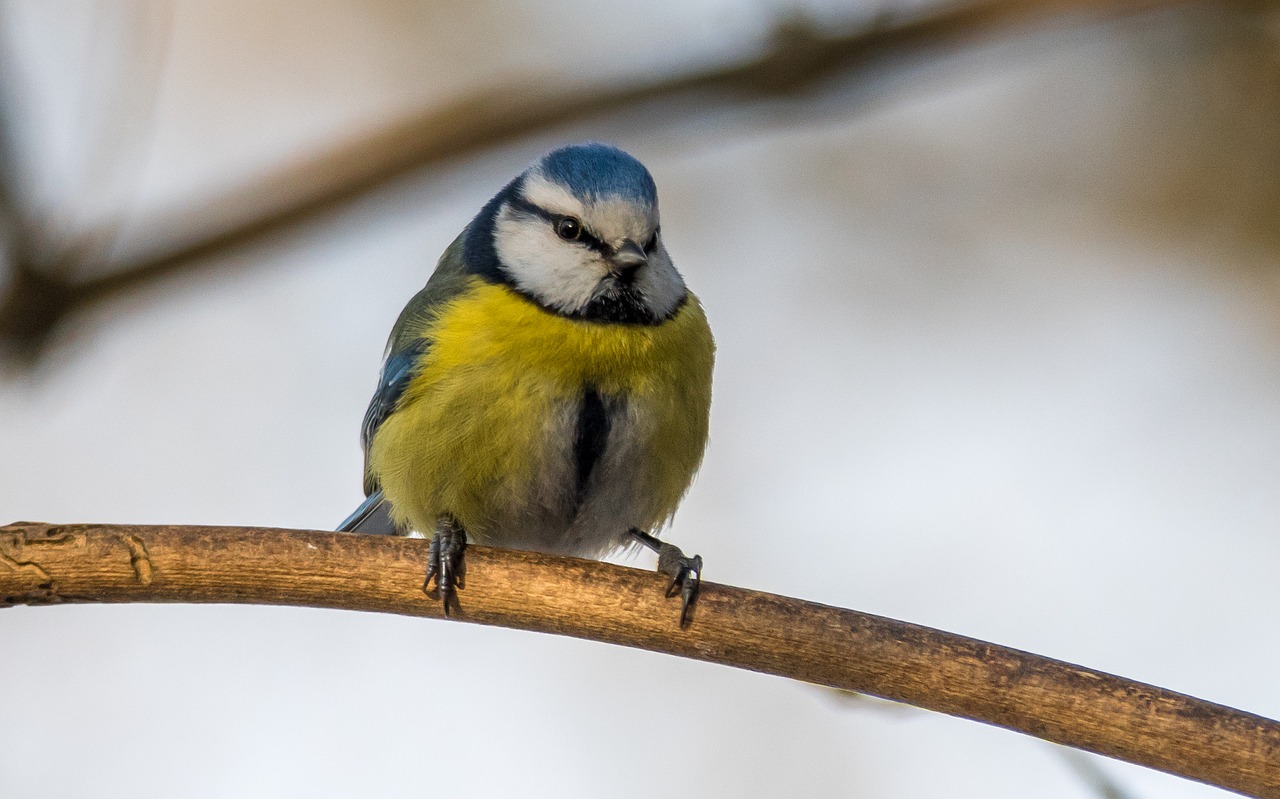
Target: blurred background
x,y
995,285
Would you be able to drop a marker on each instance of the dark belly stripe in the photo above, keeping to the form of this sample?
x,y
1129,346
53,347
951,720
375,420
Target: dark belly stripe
x,y
589,440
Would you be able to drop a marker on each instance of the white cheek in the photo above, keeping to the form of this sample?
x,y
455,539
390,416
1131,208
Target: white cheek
x,y
559,274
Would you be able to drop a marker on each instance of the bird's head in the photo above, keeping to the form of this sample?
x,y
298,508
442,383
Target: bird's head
x,y
578,233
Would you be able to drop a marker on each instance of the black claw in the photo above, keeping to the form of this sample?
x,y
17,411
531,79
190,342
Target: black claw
x,y
446,564
433,561
685,572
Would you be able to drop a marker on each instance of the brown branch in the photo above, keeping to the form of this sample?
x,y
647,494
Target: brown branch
x,y
799,58
43,564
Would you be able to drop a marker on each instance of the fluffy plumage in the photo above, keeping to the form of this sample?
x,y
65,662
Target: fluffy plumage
x,y
549,388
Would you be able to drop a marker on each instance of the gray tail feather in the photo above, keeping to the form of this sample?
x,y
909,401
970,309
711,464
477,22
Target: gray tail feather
x,y
373,517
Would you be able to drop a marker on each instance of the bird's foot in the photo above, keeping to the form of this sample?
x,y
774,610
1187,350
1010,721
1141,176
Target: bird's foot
x,y
685,572
446,564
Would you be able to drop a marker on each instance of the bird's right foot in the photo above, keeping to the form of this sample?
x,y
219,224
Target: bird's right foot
x,y
446,564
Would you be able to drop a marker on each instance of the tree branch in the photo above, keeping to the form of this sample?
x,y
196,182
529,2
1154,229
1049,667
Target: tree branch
x,y
1056,701
799,57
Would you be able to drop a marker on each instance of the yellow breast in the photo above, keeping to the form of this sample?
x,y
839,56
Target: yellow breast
x,y
481,431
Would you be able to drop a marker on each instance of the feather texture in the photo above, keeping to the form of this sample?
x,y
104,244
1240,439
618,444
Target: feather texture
x,y
485,430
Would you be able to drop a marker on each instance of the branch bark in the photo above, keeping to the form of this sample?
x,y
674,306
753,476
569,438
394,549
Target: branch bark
x,y
1056,701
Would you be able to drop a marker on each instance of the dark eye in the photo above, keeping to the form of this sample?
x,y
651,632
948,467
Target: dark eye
x,y
569,228
652,242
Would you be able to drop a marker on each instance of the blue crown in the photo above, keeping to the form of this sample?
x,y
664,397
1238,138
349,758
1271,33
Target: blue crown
x,y
595,170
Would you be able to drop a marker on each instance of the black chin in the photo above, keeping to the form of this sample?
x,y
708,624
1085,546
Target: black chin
x,y
624,305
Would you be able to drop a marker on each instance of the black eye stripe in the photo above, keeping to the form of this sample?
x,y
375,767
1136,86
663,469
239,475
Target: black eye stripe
x,y
592,242
521,205
584,235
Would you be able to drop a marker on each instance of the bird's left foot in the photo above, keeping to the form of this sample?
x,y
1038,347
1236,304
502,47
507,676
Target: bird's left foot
x,y
446,564
685,572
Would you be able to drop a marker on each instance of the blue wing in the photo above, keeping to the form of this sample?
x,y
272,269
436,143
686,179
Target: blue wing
x,y
406,349
397,372
373,517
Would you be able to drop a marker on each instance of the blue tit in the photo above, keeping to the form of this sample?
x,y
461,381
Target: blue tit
x,y
549,388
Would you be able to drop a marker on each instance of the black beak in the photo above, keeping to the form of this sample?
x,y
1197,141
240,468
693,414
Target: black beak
x,y
628,259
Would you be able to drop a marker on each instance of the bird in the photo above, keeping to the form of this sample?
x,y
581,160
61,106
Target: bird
x,y
549,389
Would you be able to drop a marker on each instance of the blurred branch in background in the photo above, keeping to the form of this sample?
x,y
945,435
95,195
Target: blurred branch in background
x,y
47,564
800,57
32,301
116,116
